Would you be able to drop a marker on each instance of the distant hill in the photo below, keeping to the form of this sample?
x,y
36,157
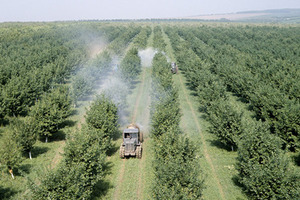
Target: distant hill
x,y
278,16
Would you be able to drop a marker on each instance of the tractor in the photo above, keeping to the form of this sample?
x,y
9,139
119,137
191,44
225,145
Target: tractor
x,y
174,68
132,142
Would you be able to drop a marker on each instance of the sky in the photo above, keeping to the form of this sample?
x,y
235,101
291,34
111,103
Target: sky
x,y
59,10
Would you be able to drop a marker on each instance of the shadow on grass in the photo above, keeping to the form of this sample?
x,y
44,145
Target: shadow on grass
x,y
74,112
296,159
235,180
1,131
191,88
4,122
58,136
23,170
203,109
217,143
117,135
68,123
6,193
101,188
36,151
112,150
133,85
241,99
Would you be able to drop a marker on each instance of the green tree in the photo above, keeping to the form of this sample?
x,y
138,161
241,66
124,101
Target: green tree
x,y
51,111
81,169
158,40
82,85
25,133
11,152
263,168
176,174
131,65
176,170
140,41
165,114
226,122
16,96
102,115
210,89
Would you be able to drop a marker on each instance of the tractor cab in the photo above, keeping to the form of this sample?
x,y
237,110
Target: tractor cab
x,y
174,68
132,142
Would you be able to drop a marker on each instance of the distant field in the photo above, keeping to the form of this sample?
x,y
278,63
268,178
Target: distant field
x,y
229,16
281,16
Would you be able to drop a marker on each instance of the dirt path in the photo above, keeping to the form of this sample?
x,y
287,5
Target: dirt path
x,y
142,164
121,175
58,155
137,102
205,152
129,183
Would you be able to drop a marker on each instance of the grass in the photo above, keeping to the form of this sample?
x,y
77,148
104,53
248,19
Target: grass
x,y
130,177
42,161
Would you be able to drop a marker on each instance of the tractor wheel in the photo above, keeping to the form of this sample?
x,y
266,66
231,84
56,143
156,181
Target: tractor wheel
x,y
141,136
122,152
139,152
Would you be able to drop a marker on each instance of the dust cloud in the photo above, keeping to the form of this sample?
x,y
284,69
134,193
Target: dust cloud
x,y
147,56
96,46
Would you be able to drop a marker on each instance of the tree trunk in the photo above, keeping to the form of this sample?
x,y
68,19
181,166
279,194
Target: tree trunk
x,y
46,139
11,173
30,155
232,149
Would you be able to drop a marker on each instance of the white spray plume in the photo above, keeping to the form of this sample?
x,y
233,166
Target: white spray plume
x,y
96,46
147,56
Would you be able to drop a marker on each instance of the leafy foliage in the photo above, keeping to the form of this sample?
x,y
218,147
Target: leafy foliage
x,y
81,169
226,123
158,40
84,156
51,111
24,132
263,167
33,58
10,151
176,174
140,41
131,65
82,85
175,169
103,117
256,63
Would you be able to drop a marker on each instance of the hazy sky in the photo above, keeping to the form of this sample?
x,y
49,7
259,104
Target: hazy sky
x,y
53,10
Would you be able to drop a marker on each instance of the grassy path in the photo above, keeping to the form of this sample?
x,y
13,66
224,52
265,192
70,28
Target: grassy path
x,y
194,119
129,178
128,175
216,163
